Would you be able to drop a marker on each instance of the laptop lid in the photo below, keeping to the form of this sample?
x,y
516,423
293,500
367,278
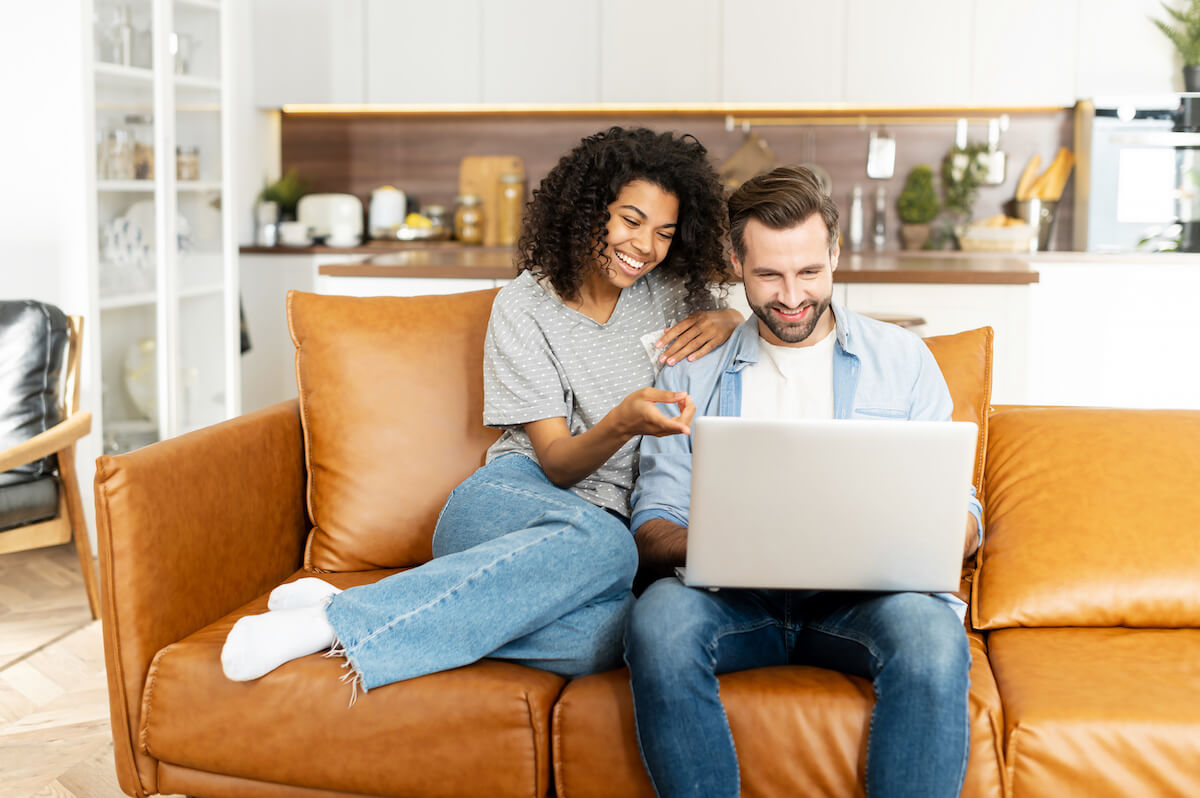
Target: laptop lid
x,y
829,505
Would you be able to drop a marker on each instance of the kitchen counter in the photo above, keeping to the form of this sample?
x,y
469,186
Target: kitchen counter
x,y
452,261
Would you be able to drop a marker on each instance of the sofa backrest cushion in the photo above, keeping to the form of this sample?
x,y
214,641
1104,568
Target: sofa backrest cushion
x,y
1090,519
965,359
33,340
391,402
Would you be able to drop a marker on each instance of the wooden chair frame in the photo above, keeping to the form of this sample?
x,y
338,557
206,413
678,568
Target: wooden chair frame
x,y
60,441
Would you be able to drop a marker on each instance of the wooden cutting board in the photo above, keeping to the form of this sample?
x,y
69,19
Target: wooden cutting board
x,y
480,174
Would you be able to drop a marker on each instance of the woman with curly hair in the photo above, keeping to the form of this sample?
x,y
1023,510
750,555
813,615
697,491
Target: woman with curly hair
x,y
533,556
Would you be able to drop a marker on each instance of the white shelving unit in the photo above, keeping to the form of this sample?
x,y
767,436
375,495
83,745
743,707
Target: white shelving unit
x,y
163,278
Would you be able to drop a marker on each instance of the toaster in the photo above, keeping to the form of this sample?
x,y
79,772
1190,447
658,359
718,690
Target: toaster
x,y
322,212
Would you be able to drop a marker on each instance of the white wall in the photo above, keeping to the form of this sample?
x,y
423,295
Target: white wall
x,y
44,142
43,244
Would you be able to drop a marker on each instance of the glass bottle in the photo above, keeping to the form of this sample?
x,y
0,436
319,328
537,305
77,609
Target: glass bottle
x,y
468,219
512,196
856,220
880,236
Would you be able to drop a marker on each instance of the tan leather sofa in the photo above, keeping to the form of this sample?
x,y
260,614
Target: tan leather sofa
x,y
1085,648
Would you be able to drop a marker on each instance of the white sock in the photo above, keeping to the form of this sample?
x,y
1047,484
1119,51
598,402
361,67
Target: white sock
x,y
307,591
258,644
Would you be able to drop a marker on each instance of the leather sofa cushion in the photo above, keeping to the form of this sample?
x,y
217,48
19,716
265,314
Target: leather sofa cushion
x,y
1112,712
391,401
24,501
965,359
33,339
479,730
798,731
1091,519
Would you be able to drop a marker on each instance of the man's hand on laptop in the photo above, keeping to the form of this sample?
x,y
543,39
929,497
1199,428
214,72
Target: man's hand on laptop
x,y
971,541
662,544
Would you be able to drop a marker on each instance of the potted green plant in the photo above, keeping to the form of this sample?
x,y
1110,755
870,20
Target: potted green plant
x,y
963,170
286,193
918,206
1186,37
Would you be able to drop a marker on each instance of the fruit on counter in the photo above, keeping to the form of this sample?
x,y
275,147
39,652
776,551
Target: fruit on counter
x,y
417,220
1048,186
999,220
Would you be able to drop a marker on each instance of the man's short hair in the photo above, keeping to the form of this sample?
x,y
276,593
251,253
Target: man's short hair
x,y
780,199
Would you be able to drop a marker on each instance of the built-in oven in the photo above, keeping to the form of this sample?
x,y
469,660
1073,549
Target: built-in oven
x,y
1132,176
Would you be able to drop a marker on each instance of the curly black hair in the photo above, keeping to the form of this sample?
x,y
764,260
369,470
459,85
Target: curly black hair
x,y
564,228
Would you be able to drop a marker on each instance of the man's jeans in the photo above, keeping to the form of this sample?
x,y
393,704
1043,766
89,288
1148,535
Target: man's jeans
x,y
522,570
911,645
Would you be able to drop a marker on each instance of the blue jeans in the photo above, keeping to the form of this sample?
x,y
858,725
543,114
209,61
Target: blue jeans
x,y
522,570
911,645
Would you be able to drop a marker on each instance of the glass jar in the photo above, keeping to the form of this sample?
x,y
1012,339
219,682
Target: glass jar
x,y
439,217
512,196
142,130
187,163
117,152
468,219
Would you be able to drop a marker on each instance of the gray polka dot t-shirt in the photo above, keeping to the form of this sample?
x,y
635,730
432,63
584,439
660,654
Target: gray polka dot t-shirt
x,y
543,359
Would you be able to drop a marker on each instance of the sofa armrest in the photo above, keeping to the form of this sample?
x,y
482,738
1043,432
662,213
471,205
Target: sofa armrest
x,y
44,444
190,529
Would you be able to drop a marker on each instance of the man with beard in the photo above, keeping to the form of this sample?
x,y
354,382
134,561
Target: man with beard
x,y
799,356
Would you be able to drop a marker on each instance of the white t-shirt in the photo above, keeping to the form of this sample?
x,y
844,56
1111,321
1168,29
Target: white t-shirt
x,y
790,381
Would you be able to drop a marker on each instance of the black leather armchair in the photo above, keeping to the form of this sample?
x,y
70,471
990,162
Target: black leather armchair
x,y
40,422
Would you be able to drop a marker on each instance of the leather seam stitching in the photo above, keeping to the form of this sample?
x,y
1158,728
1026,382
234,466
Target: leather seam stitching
x,y
118,660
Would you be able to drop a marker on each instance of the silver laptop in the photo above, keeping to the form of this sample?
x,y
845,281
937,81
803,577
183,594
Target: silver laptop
x,y
828,505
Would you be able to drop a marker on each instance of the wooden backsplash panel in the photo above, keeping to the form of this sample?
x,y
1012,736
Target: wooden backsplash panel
x,y
420,154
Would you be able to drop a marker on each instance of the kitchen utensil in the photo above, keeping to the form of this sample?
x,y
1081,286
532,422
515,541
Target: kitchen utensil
x,y
294,234
319,212
1039,214
881,155
388,208
995,158
752,158
480,175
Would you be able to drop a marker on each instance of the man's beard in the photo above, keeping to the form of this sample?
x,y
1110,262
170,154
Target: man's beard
x,y
795,332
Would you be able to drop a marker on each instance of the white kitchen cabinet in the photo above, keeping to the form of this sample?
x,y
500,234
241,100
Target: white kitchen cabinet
x,y
783,51
307,51
541,51
913,53
1117,334
1023,52
424,52
954,308
1122,53
162,335
659,51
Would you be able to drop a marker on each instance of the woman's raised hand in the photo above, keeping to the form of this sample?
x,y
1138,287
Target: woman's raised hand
x,y
638,413
698,334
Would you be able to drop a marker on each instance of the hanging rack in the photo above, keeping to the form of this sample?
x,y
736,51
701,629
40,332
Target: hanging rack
x,y
864,120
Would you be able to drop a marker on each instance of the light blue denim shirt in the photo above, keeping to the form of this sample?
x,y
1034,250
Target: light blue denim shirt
x,y
879,371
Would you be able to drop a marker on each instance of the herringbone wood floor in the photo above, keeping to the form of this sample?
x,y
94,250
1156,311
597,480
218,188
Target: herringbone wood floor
x,y
55,740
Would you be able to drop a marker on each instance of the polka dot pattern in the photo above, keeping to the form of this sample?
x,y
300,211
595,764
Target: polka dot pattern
x,y
545,360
